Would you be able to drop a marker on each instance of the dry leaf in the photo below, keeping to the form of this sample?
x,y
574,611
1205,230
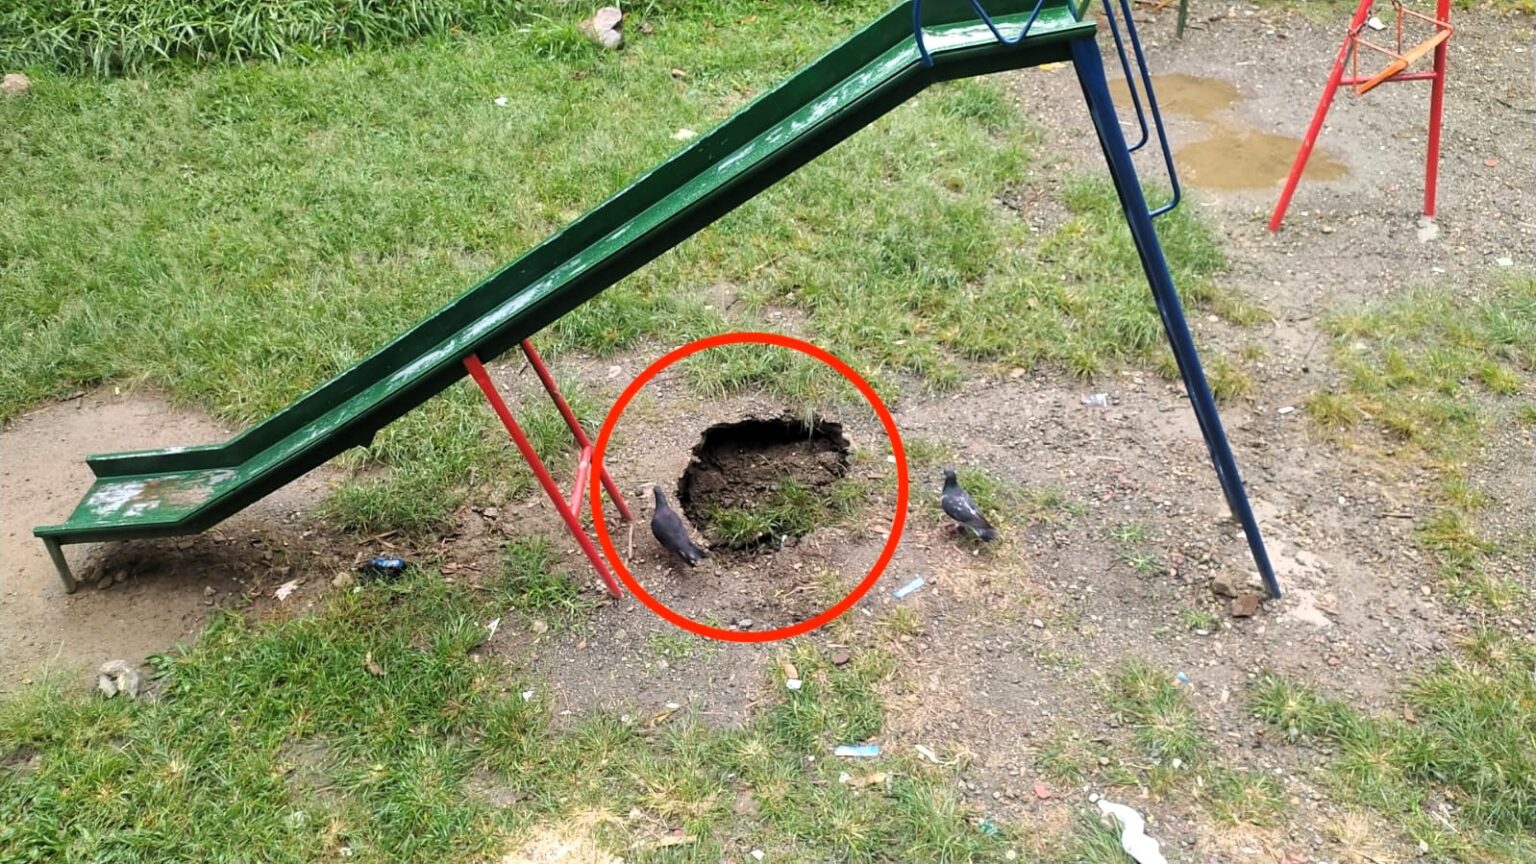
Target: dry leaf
x,y
373,668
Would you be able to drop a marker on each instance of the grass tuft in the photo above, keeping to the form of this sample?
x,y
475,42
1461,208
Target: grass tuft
x,y
531,584
1465,742
109,38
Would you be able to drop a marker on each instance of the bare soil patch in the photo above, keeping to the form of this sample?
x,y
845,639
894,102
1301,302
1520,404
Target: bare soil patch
x,y
136,598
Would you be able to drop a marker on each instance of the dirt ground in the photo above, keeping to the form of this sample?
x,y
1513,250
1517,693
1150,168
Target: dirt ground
x,y
1012,641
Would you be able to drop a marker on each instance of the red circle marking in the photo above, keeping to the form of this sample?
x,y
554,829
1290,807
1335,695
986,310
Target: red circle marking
x,y
898,523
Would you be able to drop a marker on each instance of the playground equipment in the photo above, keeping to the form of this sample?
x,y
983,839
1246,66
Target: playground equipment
x,y
1401,61
188,489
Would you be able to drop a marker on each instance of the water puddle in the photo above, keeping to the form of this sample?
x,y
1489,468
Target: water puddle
x,y
1233,156
1185,95
1244,159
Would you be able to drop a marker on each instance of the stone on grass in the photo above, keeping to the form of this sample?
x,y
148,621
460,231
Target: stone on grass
x,y
604,27
116,676
15,84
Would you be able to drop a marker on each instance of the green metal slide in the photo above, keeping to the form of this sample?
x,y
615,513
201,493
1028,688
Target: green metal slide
x,y
184,490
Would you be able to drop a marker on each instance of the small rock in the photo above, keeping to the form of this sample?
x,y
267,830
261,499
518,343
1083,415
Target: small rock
x,y
120,576
1224,584
343,580
209,592
1428,230
1246,605
539,626
491,512
679,74
1038,624
116,676
841,657
744,623
104,583
604,26
15,84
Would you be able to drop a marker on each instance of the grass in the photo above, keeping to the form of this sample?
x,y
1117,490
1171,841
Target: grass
x,y
1434,373
1201,619
276,736
1135,549
108,37
236,235
1456,766
532,586
793,509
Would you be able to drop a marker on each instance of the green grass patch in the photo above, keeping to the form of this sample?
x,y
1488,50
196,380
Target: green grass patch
x,y
280,736
1460,775
1421,365
1134,548
1435,372
793,509
533,586
107,37
1158,712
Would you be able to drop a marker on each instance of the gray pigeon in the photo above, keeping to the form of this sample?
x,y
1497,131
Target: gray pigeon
x,y
962,508
668,529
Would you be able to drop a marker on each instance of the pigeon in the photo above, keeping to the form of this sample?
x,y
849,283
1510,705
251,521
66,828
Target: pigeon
x,y
962,508
668,529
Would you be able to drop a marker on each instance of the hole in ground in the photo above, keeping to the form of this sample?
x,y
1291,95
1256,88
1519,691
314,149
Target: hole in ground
x,y
756,480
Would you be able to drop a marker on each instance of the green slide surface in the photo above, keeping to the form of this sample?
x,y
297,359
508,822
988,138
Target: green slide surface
x,y
184,490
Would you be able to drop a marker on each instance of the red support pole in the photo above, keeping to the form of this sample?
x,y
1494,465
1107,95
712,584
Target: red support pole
x,y
583,472
1436,103
477,371
1361,12
548,380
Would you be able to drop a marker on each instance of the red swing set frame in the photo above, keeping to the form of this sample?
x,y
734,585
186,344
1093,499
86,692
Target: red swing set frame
x,y
569,508
1396,70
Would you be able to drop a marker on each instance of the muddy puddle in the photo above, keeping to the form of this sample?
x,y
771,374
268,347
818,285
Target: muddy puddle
x,y
1230,155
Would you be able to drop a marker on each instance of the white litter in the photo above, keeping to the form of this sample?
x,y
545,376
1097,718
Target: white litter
x,y
490,629
793,683
286,589
1375,23
1133,837
527,695
684,134
502,101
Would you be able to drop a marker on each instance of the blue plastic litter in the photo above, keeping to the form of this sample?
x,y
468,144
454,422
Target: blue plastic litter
x,y
908,588
384,566
859,751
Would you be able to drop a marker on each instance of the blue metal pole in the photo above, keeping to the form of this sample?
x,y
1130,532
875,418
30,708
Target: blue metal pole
x,y
1090,74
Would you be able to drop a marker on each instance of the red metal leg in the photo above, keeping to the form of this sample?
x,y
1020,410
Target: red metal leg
x,y
583,471
1436,103
542,371
1363,10
477,372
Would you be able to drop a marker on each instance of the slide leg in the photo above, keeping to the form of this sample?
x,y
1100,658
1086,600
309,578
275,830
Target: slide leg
x,y
1090,74
60,563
